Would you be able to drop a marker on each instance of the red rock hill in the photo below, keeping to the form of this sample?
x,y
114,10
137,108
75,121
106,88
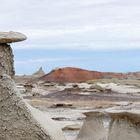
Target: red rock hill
x,y
71,75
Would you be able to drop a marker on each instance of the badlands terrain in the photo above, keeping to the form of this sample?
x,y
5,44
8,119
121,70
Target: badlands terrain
x,y
65,94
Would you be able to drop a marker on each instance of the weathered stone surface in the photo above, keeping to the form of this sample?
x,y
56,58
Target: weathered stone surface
x,y
16,120
124,126
6,60
10,37
93,128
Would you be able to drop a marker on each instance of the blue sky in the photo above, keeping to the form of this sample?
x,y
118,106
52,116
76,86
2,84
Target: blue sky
x,y
102,35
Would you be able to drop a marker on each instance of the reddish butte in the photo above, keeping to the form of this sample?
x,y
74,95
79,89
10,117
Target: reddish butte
x,y
71,75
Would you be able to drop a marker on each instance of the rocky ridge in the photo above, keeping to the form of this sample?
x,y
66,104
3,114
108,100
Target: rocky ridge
x,y
73,75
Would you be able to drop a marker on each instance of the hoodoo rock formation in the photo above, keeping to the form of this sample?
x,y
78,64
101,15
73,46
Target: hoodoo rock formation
x,y
123,125
6,56
93,127
17,119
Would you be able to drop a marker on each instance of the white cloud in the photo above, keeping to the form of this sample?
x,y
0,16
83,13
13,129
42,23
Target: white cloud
x,y
100,37
44,60
73,24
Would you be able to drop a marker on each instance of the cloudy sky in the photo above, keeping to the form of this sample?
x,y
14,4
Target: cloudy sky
x,y
101,35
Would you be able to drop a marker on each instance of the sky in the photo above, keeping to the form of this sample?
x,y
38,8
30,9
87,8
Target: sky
x,y
101,35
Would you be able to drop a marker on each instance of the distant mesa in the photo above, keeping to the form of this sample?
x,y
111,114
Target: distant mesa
x,y
10,37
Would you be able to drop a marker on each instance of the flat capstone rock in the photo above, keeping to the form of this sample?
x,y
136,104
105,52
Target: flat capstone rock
x,y
10,37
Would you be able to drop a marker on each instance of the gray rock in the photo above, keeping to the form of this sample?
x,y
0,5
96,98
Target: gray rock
x,y
18,120
10,37
93,127
124,125
6,60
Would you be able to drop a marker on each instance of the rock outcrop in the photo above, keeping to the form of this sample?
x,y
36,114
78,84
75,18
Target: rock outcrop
x,y
71,75
6,60
77,75
93,128
39,73
18,121
123,125
29,79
